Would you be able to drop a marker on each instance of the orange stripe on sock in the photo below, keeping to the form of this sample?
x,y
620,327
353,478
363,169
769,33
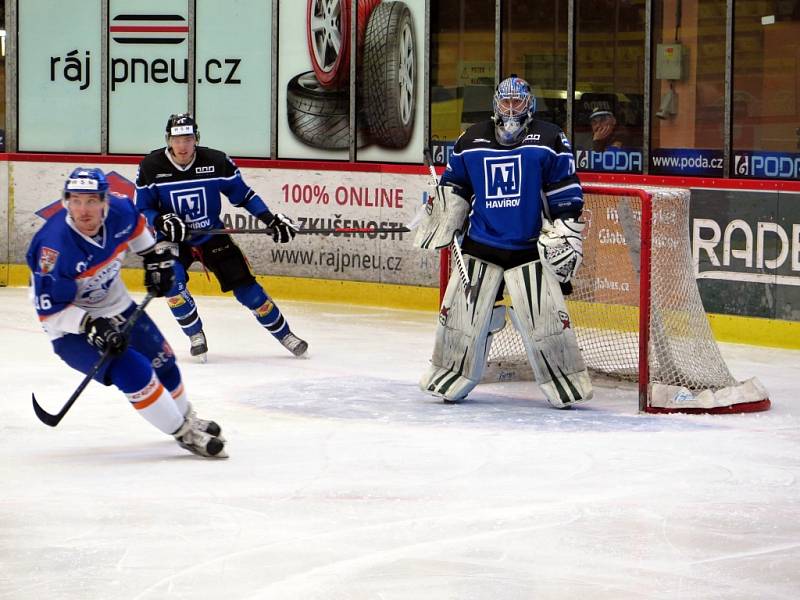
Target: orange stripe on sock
x,y
150,399
177,391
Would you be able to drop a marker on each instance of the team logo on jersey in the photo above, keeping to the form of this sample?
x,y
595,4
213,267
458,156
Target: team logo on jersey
x,y
191,205
47,260
564,318
94,289
503,176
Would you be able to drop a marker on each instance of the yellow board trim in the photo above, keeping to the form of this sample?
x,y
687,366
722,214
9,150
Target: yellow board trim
x,y
727,328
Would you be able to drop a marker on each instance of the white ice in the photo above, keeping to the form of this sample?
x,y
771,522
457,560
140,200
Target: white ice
x,y
345,482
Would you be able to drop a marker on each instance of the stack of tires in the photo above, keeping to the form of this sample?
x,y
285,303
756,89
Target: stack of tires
x,y
318,100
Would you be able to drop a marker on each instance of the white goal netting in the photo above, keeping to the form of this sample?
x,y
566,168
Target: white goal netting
x,y
638,276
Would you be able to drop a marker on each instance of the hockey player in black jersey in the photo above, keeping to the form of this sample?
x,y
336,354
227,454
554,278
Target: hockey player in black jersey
x,y
511,191
178,189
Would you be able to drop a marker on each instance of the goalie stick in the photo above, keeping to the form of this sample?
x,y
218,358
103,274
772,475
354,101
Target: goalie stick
x,y
469,290
53,420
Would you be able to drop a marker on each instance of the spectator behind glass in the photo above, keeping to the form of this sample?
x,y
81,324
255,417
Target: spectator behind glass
x,y
604,130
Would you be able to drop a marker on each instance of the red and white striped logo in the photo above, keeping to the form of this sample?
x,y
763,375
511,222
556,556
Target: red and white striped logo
x,y
47,260
148,29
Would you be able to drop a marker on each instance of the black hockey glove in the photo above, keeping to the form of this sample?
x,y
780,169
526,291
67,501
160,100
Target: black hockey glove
x,y
159,269
104,335
171,226
282,227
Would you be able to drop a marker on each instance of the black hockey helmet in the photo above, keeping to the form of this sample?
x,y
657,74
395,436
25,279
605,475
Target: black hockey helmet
x,y
182,124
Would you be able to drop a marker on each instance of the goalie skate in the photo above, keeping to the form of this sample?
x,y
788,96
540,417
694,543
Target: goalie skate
x,y
190,437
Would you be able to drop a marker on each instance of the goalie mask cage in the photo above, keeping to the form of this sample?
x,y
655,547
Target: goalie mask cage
x,y
636,308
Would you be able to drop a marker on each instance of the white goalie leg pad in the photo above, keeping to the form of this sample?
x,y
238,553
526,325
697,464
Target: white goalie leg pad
x,y
462,336
540,314
442,217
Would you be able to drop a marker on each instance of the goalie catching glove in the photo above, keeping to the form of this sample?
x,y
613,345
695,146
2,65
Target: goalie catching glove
x,y
171,226
282,227
560,247
159,269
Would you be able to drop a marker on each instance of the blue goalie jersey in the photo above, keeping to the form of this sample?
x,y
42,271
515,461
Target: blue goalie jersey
x,y
512,187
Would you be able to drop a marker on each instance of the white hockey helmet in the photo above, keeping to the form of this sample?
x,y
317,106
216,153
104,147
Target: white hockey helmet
x,y
513,105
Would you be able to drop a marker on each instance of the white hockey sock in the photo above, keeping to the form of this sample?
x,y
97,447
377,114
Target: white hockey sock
x,y
157,406
181,399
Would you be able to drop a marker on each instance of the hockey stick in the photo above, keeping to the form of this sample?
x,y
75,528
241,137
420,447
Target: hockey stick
x,y
309,231
470,291
53,420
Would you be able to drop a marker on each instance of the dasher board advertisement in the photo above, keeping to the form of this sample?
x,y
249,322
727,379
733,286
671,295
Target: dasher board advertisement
x,y
59,75
313,199
233,66
746,248
148,42
314,60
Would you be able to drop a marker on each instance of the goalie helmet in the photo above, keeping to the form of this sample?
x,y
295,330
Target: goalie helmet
x,y
513,106
182,124
86,180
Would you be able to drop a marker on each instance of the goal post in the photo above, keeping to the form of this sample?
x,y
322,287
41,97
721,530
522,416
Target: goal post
x,y
636,309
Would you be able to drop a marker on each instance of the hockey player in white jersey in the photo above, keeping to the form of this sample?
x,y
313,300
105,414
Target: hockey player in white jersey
x,y
75,260
512,185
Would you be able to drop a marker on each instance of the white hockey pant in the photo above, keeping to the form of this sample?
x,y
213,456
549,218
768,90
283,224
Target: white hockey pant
x,y
463,336
540,315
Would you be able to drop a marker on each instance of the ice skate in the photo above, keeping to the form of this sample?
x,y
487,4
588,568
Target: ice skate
x,y
199,347
196,441
294,344
212,428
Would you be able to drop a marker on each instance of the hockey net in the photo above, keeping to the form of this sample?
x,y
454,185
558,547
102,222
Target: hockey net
x,y
636,308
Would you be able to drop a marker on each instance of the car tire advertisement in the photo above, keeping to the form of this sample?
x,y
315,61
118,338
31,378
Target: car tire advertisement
x,y
314,65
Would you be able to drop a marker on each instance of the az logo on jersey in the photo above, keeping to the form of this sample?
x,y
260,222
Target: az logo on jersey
x,y
503,176
190,204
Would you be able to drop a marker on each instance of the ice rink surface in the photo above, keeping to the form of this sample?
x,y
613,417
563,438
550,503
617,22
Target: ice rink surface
x,y
345,482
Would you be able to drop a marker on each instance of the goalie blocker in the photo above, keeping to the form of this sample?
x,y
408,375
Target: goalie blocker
x,y
465,330
441,218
